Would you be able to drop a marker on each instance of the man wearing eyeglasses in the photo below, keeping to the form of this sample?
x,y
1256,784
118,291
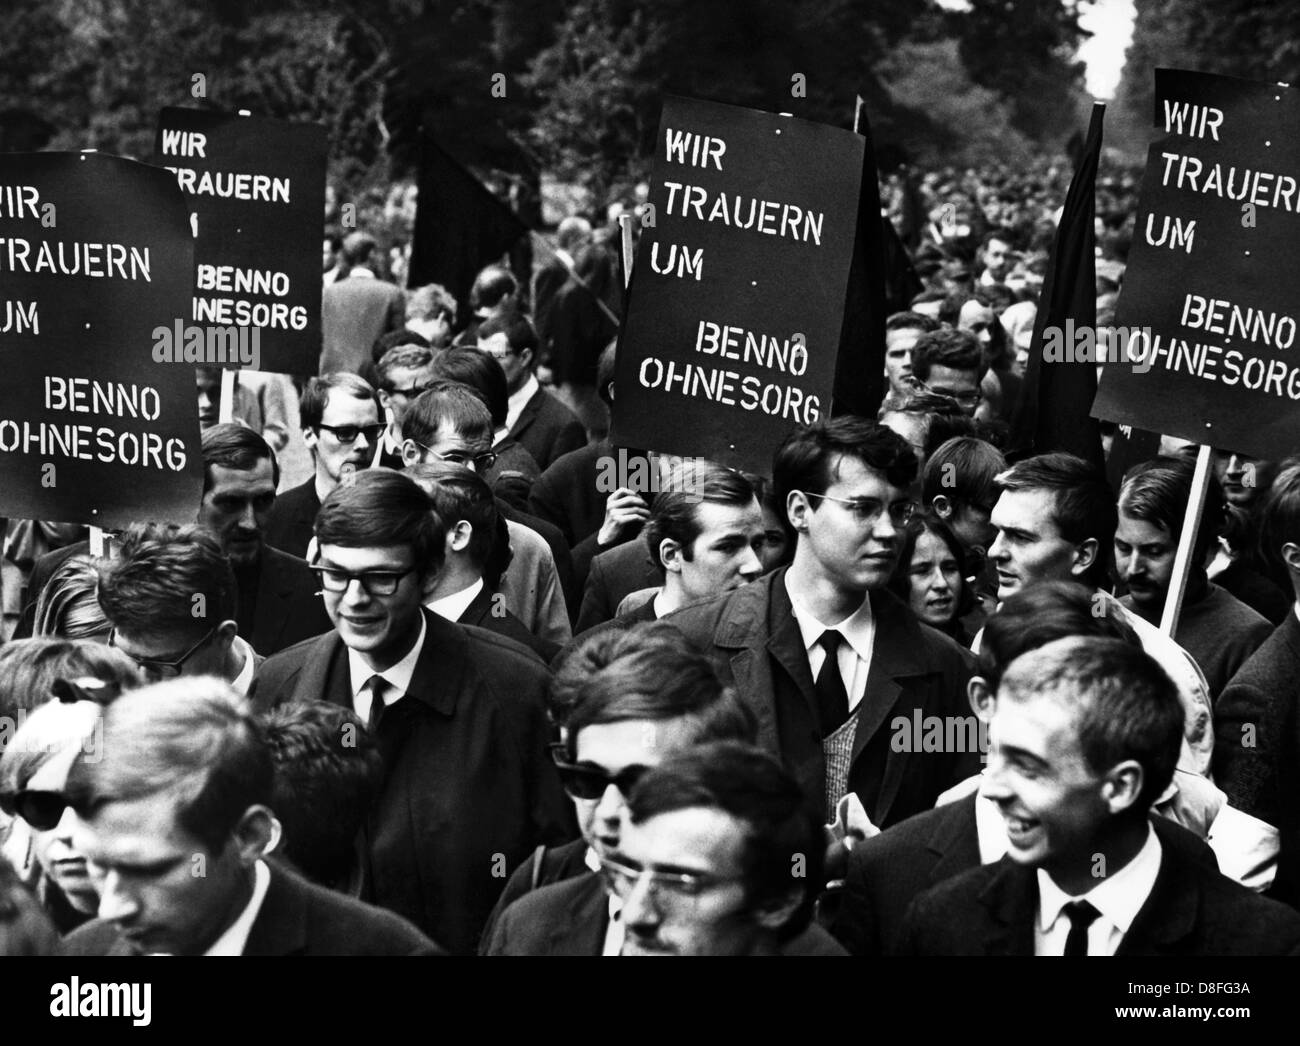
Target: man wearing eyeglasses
x,y
704,863
458,713
825,655
169,595
404,372
950,363
341,427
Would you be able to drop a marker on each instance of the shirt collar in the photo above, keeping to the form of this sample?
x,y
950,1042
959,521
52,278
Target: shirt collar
x,y
453,606
235,939
856,629
398,677
1118,897
361,271
614,928
519,400
244,680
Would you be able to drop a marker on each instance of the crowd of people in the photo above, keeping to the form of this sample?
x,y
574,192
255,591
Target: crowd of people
x,y
456,691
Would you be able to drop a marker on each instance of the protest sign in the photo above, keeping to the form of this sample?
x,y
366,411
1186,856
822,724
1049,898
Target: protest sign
x,y
96,258
256,188
1208,312
737,299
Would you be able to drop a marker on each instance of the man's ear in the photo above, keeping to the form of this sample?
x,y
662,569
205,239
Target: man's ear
x,y
458,536
410,453
1291,556
310,438
670,555
254,833
526,358
980,696
226,632
384,399
777,912
1085,555
943,506
1122,785
798,510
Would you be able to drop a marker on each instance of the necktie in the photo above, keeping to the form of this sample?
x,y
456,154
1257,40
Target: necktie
x,y
1081,915
378,687
832,698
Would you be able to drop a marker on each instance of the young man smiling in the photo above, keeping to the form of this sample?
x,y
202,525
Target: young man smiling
x,y
457,710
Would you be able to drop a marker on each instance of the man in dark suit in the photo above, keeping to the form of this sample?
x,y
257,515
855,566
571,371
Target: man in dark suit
x,y
539,422
1085,871
341,426
278,601
571,236
1257,742
458,713
826,657
615,574
184,869
356,309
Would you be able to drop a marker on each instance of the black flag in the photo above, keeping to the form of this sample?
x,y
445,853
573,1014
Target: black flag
x,y
459,226
1054,407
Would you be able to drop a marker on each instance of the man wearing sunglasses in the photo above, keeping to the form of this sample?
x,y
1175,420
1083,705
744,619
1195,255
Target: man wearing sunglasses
x,y
825,655
341,427
627,701
169,596
404,372
458,713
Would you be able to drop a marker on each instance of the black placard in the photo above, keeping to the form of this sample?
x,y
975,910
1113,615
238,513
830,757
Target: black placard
x,y
1210,303
256,187
738,290
95,255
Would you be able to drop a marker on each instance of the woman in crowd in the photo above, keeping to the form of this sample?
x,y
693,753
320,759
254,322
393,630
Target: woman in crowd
x,y
929,579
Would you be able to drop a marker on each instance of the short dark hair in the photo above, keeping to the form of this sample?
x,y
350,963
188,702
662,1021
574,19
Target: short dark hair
x,y
675,512
378,509
517,328
1083,505
194,739
1124,704
907,320
460,493
963,470
155,582
1157,491
490,286
1042,612
1279,518
751,786
357,248
316,395
327,772
947,347
647,672
390,340
235,447
479,372
411,357
447,404
808,457
432,299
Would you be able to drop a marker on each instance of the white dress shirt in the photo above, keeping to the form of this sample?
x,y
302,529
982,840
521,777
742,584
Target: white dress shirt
x,y
854,654
244,680
398,677
452,606
1118,898
519,400
235,939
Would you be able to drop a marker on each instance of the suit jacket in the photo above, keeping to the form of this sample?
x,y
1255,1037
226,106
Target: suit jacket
x,y
481,612
570,918
288,608
555,542
550,277
292,517
567,496
1257,746
622,570
889,871
544,866
547,429
1192,910
470,787
754,641
355,311
297,917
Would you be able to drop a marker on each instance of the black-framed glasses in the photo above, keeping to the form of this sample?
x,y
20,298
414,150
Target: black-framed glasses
x,y
589,781
411,393
682,888
480,462
42,810
868,510
375,582
157,668
349,433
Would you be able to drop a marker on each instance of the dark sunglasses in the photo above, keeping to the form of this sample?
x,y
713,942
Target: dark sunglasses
x,y
349,433
588,781
41,810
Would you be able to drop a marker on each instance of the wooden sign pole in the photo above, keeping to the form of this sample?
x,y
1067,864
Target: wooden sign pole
x,y
1186,542
625,227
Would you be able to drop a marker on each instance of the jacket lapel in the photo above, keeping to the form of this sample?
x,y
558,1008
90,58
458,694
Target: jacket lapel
x,y
529,414
1169,914
582,930
274,587
744,629
281,925
1011,902
955,840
